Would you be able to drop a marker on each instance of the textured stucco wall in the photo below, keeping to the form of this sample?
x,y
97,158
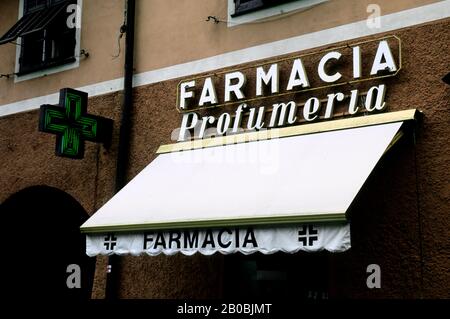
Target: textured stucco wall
x,y
400,220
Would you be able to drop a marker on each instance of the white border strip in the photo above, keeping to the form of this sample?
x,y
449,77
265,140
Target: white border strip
x,y
350,31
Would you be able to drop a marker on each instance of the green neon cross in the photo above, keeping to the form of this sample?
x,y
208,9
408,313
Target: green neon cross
x,y
72,125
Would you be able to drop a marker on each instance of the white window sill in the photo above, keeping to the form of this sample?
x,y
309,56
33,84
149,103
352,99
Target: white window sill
x,y
49,71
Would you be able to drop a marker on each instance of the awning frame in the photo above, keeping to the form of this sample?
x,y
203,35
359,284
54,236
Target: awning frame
x,y
335,216
320,127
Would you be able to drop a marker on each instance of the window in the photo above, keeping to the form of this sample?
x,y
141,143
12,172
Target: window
x,y
247,11
246,6
54,44
46,40
33,5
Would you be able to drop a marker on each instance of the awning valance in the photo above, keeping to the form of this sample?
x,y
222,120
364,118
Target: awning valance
x,y
226,240
307,177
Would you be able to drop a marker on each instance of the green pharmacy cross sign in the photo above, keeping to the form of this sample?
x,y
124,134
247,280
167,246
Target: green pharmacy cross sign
x,y
72,125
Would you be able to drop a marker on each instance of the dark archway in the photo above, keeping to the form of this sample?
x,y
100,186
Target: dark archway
x,y
43,238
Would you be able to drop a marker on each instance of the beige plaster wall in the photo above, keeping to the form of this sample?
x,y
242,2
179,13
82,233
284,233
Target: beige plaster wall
x,y
170,32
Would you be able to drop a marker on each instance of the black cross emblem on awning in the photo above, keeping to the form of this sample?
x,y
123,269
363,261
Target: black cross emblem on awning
x,y
110,242
307,235
72,125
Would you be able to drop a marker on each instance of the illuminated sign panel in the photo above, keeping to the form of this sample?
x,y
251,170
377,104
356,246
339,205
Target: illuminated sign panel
x,y
72,125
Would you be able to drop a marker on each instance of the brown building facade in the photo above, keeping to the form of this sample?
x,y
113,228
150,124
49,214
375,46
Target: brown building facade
x,y
399,219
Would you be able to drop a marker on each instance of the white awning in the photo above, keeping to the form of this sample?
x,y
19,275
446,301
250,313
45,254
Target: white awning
x,y
293,179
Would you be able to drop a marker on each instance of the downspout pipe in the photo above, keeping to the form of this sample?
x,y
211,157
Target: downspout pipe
x,y
124,135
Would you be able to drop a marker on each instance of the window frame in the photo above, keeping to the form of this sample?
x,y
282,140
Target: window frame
x,y
34,9
249,6
243,8
266,12
39,7
50,68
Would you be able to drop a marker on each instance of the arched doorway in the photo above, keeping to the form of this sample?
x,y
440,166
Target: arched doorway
x,y
42,241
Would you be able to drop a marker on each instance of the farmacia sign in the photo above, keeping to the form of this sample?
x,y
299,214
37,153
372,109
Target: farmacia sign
x,y
223,90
